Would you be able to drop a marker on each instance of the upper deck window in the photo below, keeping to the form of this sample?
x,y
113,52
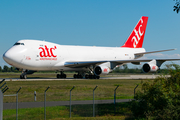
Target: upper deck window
x,y
19,43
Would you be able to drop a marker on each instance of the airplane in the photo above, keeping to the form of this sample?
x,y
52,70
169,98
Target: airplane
x,y
89,62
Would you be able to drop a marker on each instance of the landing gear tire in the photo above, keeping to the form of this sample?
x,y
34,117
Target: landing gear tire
x,y
92,77
97,77
58,76
23,77
86,76
64,75
61,76
75,76
78,76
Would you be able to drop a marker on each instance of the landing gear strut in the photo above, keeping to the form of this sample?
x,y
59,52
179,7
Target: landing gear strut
x,y
62,75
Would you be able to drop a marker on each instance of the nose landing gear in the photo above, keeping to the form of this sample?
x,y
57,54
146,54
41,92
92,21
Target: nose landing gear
x,y
23,75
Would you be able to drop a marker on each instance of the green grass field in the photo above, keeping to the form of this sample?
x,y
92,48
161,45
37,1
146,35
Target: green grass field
x,y
59,91
82,112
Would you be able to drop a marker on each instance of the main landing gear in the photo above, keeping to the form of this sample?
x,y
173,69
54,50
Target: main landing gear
x,y
92,76
62,75
86,76
79,75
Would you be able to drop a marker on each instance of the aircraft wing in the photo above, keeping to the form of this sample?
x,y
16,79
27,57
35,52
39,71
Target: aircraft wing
x,y
78,64
153,52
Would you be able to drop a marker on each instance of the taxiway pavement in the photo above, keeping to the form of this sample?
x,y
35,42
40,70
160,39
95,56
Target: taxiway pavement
x,y
126,77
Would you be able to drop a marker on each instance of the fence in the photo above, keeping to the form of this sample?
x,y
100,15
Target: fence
x,y
85,108
2,91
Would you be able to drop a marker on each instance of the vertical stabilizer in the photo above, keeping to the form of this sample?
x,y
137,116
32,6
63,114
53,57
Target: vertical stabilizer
x,y
136,38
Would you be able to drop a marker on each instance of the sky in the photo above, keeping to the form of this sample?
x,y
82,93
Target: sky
x,y
90,23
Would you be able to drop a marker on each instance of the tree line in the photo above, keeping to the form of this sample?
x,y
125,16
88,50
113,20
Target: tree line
x,y
5,68
122,69
125,69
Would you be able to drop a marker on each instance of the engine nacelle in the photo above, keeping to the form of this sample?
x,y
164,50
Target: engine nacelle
x,y
101,70
149,67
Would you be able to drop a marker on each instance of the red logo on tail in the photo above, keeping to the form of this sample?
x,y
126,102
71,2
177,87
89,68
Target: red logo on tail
x,y
136,38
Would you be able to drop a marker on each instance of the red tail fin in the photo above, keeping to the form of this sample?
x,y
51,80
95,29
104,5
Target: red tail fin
x,y
136,38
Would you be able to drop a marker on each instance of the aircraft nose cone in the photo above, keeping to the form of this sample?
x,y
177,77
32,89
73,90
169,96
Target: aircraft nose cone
x,y
14,56
7,57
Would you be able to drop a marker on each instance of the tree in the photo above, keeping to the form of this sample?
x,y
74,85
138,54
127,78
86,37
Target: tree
x,y
0,69
13,69
159,99
177,6
125,66
6,68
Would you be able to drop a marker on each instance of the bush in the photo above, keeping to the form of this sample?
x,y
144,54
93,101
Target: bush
x,y
160,99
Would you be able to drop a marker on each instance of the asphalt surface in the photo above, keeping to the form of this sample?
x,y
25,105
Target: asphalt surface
x,y
59,103
135,77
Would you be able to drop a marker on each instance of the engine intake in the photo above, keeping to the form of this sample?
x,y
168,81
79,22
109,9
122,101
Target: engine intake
x,y
149,68
101,70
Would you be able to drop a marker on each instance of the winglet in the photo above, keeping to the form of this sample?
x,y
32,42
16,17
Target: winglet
x,y
136,38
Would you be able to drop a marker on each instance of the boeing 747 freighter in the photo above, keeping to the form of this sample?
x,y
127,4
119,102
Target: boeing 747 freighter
x,y
30,56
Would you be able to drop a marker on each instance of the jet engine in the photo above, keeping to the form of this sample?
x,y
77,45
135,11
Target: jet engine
x,y
149,67
101,70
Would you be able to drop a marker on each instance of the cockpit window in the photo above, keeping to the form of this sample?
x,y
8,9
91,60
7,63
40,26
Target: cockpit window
x,y
19,43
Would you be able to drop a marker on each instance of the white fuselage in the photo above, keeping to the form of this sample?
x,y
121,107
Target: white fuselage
x,y
41,55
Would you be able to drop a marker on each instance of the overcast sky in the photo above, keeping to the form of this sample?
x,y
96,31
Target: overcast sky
x,y
90,23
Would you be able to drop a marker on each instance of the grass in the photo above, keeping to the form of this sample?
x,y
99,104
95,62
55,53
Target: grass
x,y
35,75
59,90
103,112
